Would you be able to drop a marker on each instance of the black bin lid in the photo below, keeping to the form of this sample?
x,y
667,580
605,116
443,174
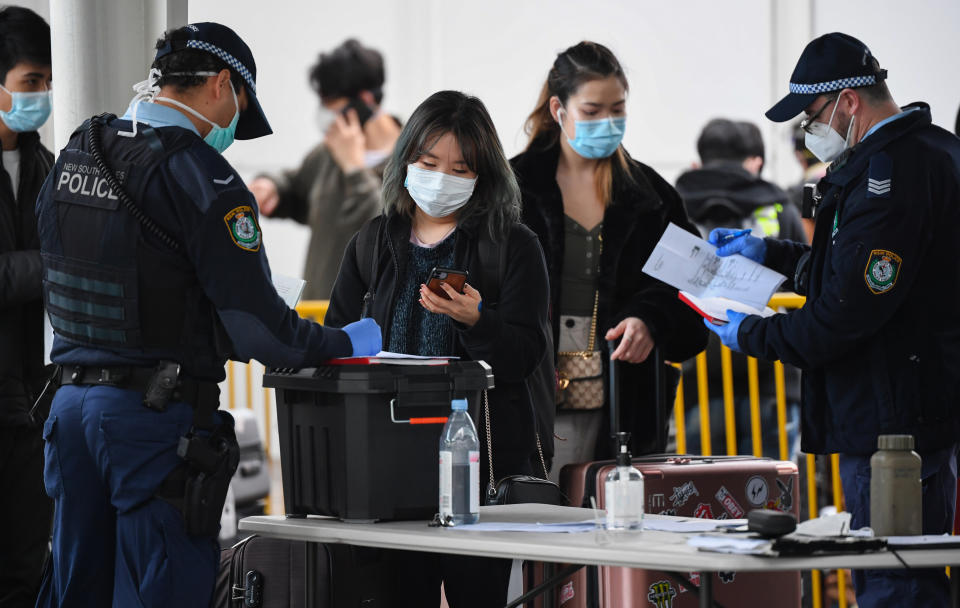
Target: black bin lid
x,y
457,376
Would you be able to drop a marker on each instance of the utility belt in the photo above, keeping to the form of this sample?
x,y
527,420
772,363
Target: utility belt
x,y
197,487
159,386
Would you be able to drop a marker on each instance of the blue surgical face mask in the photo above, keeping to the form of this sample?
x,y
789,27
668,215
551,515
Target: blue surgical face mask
x,y
596,138
219,137
28,112
436,193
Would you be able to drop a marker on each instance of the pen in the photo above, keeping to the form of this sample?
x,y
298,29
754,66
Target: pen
x,y
729,237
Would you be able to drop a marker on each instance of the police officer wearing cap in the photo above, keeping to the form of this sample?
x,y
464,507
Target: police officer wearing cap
x,y
879,337
154,274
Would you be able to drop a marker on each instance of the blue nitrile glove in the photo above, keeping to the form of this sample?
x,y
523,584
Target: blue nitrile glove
x,y
728,332
746,245
365,336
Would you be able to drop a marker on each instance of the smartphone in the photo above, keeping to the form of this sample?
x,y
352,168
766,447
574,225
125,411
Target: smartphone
x,y
364,113
453,278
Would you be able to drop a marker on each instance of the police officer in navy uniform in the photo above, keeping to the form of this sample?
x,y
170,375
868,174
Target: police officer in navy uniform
x,y
151,281
879,337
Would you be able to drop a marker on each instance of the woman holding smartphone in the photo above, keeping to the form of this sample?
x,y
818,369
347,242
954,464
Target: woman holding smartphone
x,y
599,213
448,194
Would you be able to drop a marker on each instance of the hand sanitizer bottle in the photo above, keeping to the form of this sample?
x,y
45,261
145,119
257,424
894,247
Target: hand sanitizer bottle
x,y
623,491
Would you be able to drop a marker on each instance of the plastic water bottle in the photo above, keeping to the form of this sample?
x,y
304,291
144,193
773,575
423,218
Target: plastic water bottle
x,y
623,491
459,467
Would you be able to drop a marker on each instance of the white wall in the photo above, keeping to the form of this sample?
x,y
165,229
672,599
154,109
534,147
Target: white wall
x,y
687,62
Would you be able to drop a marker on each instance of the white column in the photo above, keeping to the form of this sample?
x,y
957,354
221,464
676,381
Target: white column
x,y
100,49
791,28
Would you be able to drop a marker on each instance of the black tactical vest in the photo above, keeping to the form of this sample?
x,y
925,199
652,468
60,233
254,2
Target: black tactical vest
x,y
108,282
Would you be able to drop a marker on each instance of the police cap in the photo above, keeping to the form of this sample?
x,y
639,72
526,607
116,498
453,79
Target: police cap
x,y
224,43
832,62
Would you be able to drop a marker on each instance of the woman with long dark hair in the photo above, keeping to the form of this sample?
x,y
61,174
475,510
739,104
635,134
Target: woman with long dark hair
x,y
448,191
598,214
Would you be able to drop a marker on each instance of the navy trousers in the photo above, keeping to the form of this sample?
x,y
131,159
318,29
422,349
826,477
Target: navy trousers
x,y
114,543
927,588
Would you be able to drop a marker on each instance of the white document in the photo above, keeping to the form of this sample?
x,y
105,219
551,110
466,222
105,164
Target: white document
x,y
384,354
289,288
690,525
732,544
691,264
555,527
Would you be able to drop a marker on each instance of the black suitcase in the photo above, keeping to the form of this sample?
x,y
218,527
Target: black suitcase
x,y
260,572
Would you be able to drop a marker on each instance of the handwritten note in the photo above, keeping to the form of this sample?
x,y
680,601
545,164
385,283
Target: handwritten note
x,y
691,264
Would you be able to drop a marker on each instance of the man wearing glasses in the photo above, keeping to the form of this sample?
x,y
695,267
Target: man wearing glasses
x,y
879,337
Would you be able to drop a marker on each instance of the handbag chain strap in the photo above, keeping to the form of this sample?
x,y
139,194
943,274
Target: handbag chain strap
x,y
591,341
486,411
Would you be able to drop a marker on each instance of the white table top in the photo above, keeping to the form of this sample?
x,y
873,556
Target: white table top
x,y
646,549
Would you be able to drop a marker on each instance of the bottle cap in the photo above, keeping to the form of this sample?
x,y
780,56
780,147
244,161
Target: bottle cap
x,y
459,405
895,442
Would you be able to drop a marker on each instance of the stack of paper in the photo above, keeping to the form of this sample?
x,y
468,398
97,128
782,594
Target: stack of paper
x,y
388,358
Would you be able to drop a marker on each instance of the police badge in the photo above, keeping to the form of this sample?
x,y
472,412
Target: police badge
x,y
881,272
243,228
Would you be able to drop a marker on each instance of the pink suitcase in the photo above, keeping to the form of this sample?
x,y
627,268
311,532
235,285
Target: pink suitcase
x,y
693,486
715,487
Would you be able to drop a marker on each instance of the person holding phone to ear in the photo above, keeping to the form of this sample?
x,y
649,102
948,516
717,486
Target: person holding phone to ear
x,y
337,187
452,204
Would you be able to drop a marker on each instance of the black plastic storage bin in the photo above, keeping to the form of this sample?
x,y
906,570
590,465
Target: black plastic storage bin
x,y
348,447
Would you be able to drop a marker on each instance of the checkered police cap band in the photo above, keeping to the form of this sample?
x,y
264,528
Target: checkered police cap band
x,y
833,85
229,59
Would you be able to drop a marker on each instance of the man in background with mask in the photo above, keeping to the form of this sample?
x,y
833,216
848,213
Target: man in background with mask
x,y
24,107
152,279
337,187
879,337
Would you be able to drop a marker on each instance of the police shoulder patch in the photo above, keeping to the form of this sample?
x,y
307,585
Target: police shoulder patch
x,y
242,225
882,270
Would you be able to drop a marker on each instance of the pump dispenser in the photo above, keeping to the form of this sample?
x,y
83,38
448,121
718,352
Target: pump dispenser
x,y
623,490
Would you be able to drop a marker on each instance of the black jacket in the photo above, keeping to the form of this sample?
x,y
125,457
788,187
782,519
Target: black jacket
x,y
725,194
879,337
21,307
634,221
510,335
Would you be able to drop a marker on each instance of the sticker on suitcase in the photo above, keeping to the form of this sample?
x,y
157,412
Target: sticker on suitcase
x,y
657,501
694,577
566,593
661,594
729,503
757,491
703,511
784,502
683,493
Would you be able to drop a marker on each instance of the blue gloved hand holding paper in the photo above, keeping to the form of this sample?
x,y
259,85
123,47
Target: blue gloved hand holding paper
x,y
728,331
365,336
729,241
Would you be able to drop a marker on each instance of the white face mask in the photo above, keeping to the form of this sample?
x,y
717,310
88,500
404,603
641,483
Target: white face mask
x,y
823,141
325,119
436,193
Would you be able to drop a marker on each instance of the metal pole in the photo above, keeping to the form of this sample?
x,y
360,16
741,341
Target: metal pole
x,y
100,48
706,590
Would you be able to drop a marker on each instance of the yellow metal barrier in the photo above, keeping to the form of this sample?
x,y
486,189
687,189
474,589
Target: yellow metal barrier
x,y
779,301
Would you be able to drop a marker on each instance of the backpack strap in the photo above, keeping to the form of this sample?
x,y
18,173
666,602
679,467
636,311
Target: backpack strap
x,y
368,240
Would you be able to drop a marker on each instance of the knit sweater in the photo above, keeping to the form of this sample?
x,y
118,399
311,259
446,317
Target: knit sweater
x,y
417,331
